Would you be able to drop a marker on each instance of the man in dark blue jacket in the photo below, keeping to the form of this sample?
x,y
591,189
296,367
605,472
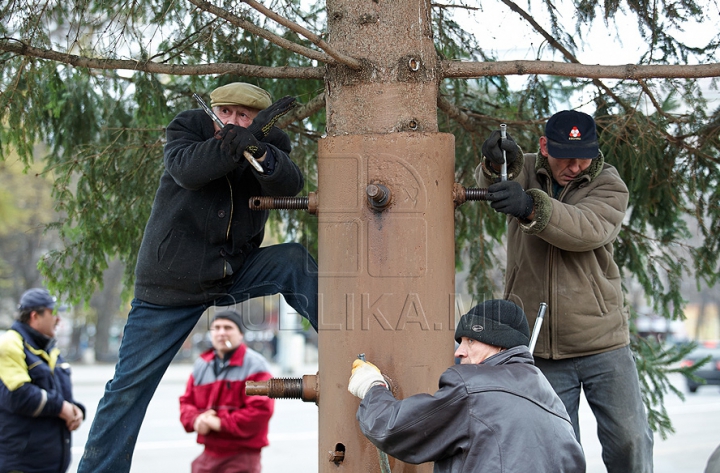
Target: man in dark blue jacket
x,y
37,409
201,248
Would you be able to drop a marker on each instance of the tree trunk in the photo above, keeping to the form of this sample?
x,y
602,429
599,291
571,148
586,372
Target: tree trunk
x,y
386,277
107,304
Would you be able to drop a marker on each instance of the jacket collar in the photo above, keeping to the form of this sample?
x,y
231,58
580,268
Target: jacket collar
x,y
236,359
543,167
519,354
33,337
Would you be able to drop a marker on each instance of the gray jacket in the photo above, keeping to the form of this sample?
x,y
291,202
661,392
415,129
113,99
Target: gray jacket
x,y
499,416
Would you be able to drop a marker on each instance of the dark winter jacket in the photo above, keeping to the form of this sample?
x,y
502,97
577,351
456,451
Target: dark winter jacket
x,y
499,416
35,382
244,419
564,257
201,227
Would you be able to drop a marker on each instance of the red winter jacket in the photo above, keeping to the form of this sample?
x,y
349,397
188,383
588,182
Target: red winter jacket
x,y
244,419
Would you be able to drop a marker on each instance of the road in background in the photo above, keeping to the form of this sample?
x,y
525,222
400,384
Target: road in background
x,y
164,446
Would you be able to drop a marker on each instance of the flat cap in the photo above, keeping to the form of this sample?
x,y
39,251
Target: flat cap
x,y
240,93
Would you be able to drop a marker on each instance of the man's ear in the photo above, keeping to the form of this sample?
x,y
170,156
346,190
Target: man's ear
x,y
543,146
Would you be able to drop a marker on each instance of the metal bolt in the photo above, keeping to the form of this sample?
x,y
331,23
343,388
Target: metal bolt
x,y
378,196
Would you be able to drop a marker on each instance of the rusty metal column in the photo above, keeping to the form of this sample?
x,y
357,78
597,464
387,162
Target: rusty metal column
x,y
386,278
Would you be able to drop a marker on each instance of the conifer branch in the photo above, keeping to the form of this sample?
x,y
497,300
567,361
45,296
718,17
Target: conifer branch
x,y
263,33
351,62
656,104
454,112
457,69
302,112
286,72
565,52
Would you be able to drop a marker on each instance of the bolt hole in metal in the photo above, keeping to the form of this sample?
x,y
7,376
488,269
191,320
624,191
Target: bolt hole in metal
x,y
338,455
413,125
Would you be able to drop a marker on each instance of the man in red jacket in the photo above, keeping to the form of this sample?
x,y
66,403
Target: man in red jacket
x,y
232,426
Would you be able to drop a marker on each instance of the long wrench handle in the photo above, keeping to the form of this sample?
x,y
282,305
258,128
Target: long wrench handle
x,y
536,327
209,111
220,124
503,169
382,456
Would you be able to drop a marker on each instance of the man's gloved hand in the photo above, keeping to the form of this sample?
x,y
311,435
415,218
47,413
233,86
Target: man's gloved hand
x,y
509,197
265,120
493,147
236,140
364,376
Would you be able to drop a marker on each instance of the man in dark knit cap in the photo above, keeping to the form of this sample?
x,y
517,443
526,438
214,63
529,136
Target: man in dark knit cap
x,y
232,426
493,412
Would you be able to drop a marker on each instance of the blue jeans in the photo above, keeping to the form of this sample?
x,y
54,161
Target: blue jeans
x,y
612,389
154,334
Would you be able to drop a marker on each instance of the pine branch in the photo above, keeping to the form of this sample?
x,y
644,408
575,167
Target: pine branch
x,y
457,69
285,72
657,105
300,113
556,44
446,6
315,39
463,119
263,33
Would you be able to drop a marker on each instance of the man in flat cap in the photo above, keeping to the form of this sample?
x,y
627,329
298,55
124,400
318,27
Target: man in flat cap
x,y
202,248
37,408
565,208
232,426
493,412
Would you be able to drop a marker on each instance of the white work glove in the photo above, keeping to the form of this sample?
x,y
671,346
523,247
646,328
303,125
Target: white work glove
x,y
364,376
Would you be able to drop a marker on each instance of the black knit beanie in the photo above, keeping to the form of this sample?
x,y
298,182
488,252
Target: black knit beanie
x,y
496,322
232,316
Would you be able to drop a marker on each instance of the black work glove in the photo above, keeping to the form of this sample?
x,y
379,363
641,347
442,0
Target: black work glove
x,y
265,120
493,147
509,198
236,140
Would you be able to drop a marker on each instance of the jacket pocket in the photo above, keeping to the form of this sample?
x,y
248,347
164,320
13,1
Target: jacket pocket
x,y
598,294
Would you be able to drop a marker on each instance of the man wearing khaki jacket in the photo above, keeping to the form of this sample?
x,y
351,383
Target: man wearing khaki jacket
x,y
566,207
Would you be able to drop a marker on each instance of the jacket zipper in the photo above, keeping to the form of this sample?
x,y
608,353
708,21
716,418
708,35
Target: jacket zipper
x,y
227,231
552,293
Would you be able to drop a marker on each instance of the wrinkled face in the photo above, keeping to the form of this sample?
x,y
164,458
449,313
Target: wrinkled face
x,y
566,169
472,352
225,336
45,322
235,114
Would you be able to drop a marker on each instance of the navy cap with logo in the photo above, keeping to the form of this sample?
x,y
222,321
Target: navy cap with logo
x,y
496,322
572,134
36,298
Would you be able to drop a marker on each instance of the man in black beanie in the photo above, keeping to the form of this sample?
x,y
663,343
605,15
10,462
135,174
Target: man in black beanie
x,y
493,412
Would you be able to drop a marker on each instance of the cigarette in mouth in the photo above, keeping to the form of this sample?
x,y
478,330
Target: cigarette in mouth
x,y
228,344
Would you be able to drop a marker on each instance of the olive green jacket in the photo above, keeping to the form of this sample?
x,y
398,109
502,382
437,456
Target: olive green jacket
x,y
564,257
